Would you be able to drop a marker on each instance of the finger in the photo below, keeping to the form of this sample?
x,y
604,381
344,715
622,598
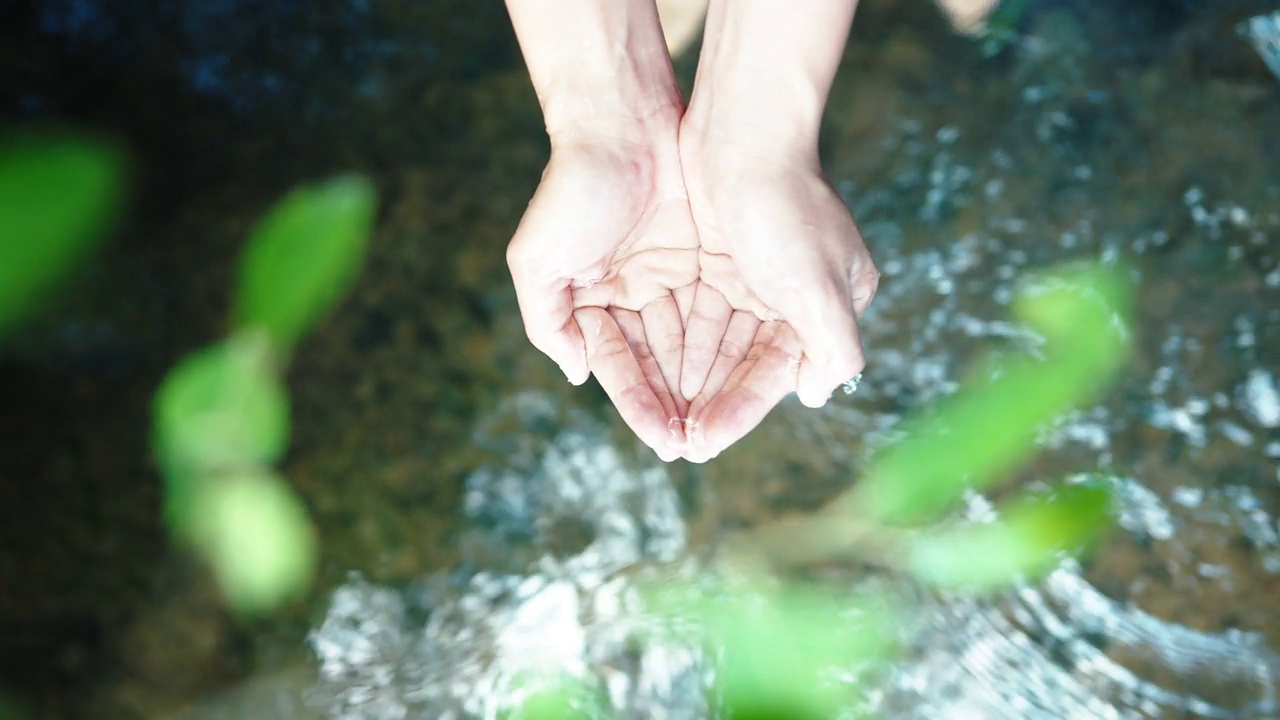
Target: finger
x,y
705,328
723,273
633,329
828,332
864,278
730,366
684,299
731,352
665,335
755,388
618,371
546,307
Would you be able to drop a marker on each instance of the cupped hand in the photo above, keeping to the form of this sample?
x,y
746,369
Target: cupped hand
x,y
603,261
784,276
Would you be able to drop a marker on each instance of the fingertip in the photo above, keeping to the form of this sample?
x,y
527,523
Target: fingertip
x,y
667,455
689,385
819,378
813,399
571,361
574,353
702,454
813,386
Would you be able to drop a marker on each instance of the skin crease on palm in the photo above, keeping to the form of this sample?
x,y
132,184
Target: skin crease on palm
x,y
701,276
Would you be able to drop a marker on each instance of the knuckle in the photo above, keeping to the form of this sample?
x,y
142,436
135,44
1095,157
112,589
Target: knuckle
x,y
846,368
669,342
870,281
612,346
517,257
641,350
732,348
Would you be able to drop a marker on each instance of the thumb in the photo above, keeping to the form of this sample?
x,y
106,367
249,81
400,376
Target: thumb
x,y
547,311
832,351
567,348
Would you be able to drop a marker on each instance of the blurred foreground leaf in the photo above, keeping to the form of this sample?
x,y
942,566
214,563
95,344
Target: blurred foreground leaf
x,y
1030,538
989,427
781,648
58,194
255,532
303,257
221,409
222,414
569,699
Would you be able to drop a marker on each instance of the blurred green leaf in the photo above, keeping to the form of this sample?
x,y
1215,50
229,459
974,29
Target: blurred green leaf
x,y
58,194
221,409
1083,311
780,649
303,257
254,531
568,700
989,427
1030,538
550,705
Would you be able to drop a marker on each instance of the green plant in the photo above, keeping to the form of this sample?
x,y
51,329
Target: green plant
x,y
776,636
58,195
221,425
222,413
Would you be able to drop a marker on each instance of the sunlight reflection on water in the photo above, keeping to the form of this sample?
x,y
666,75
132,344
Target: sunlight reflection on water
x,y
1173,618
1063,648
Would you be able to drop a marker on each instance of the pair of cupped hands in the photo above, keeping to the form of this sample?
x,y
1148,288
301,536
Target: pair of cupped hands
x,y
700,278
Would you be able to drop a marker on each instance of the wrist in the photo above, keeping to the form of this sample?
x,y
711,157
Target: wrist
x,y
625,90
600,68
614,116
764,76
741,129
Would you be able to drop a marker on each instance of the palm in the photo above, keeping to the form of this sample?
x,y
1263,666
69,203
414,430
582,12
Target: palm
x,y
696,312
599,261
784,276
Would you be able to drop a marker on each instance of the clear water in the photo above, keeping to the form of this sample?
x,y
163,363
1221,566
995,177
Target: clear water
x,y
960,201
497,527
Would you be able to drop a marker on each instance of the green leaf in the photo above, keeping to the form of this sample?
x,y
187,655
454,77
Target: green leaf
x,y
1083,312
254,531
1030,538
303,257
223,408
780,649
571,698
989,427
549,705
58,195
